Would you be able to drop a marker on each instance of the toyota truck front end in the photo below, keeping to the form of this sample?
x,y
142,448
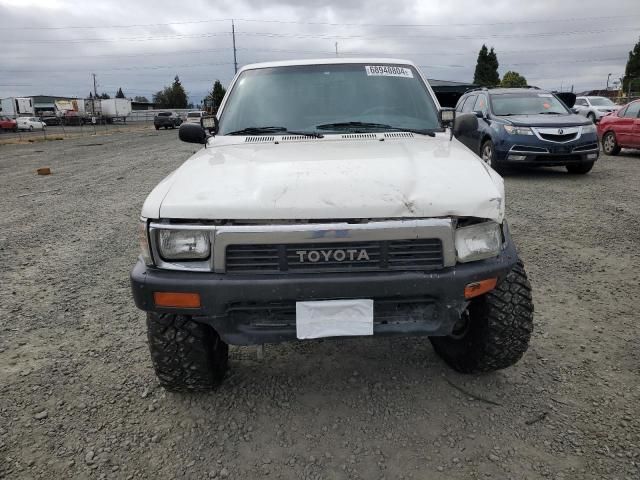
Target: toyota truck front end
x,y
329,200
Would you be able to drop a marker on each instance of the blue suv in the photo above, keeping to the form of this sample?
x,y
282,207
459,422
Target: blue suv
x,y
529,127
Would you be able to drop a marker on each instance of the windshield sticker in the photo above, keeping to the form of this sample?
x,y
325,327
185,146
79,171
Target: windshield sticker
x,y
388,71
545,95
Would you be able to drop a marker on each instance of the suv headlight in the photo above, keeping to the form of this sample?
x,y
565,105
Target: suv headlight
x,y
479,241
589,128
183,244
510,129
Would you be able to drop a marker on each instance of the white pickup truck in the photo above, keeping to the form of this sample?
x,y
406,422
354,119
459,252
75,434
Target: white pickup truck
x,y
329,200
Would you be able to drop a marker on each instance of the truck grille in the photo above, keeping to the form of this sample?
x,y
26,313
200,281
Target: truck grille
x,y
415,254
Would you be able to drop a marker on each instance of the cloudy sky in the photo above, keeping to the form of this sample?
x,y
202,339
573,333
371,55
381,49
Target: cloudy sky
x,y
53,46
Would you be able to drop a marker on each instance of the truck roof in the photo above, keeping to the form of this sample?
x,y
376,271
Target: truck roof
x,y
328,61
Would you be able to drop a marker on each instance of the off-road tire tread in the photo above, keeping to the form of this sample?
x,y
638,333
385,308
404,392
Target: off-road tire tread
x,y
187,356
500,331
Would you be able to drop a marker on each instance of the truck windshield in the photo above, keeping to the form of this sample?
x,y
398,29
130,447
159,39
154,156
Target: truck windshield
x,y
334,97
527,103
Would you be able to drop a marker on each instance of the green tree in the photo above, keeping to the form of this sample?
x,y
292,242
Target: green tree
x,y
513,79
215,96
139,98
486,73
171,97
632,70
120,93
104,96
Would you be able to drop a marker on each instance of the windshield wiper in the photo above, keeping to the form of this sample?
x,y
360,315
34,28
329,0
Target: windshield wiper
x,y
268,130
551,113
357,127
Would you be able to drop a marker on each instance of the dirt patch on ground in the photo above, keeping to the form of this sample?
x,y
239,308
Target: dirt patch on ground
x,y
78,397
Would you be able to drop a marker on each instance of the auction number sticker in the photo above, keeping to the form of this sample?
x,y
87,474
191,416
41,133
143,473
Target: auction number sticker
x,y
388,71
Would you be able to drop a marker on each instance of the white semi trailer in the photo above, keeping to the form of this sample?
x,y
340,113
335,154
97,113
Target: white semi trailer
x,y
17,107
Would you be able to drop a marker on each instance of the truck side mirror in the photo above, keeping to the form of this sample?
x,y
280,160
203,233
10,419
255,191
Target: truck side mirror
x,y
447,116
465,124
192,133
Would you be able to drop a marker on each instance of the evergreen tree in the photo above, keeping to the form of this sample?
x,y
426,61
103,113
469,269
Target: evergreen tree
x,y
139,98
513,79
486,73
171,97
215,96
632,70
120,93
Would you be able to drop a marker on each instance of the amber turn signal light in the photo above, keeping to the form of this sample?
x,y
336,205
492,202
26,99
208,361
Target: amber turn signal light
x,y
176,299
478,288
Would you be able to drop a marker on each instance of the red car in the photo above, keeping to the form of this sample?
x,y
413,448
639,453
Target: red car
x,y
7,123
620,129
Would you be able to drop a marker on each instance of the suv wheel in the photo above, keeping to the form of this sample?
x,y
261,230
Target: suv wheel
x,y
581,168
187,356
495,330
488,155
609,144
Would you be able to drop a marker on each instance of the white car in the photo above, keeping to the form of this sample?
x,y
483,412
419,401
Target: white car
x,y
331,200
30,123
194,117
594,108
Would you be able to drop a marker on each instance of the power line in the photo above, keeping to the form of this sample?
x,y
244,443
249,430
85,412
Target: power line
x,y
298,22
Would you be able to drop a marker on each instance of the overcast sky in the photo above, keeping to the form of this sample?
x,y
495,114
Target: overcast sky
x,y
53,46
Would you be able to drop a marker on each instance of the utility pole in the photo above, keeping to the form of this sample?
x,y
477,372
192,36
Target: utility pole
x,y
337,49
95,88
233,34
608,82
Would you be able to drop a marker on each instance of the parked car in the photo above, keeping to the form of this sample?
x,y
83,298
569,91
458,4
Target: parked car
x,y
194,117
620,129
8,124
166,120
51,120
341,209
528,127
30,123
594,108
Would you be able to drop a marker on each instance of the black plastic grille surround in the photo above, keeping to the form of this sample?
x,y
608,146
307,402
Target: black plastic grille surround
x,y
413,254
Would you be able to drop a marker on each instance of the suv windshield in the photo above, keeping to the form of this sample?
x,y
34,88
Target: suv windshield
x,y
326,98
526,103
601,102
164,114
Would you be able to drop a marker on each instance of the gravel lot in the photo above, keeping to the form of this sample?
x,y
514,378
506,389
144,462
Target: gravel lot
x,y
79,399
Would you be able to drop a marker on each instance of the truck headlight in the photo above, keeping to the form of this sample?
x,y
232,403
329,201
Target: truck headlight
x,y
183,244
510,129
479,241
589,129
143,241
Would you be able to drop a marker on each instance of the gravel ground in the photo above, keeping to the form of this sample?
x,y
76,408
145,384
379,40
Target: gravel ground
x,y
79,399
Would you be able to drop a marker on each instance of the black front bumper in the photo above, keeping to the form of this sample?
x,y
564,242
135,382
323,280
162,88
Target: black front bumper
x,y
248,310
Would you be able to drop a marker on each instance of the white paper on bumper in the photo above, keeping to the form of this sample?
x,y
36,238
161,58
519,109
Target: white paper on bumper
x,y
334,318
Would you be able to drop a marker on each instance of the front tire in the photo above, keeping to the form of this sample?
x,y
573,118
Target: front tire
x,y
610,144
580,168
187,356
488,155
497,330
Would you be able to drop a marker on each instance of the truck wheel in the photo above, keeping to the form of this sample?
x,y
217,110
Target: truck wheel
x,y
494,331
187,356
610,144
581,168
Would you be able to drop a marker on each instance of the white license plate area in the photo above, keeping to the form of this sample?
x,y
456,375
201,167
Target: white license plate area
x,y
334,318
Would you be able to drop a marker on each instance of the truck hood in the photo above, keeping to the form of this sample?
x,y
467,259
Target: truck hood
x,y
368,176
571,120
